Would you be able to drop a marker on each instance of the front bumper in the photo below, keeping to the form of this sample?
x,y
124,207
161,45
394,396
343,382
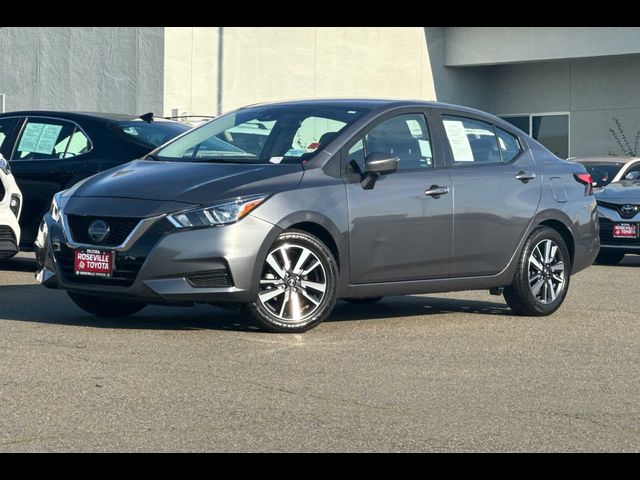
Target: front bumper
x,y
9,227
165,265
607,217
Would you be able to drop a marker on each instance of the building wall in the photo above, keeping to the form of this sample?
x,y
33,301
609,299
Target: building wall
x,y
467,46
267,64
82,68
592,90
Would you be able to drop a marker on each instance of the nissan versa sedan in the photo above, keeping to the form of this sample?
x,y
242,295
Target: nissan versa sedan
x,y
337,199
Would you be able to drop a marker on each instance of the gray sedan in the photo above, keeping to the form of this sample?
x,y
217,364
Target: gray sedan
x,y
325,200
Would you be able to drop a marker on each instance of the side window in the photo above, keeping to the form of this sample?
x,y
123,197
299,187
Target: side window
x,y
77,144
509,145
6,129
43,139
471,141
633,173
405,136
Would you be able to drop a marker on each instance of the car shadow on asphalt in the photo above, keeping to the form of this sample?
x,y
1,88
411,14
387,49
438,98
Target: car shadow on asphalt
x,y
33,303
19,264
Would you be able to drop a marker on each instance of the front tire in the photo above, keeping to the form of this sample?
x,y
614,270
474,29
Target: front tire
x,y
607,257
298,284
541,281
101,307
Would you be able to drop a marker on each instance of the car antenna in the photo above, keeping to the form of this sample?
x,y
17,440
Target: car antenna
x,y
147,117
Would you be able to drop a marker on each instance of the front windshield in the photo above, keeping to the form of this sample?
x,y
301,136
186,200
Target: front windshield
x,y
268,134
602,172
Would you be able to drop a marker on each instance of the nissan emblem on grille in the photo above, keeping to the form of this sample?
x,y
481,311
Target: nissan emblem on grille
x,y
628,209
98,230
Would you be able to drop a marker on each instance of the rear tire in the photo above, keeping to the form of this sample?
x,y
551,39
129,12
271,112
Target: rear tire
x,y
363,301
608,257
298,284
541,280
101,307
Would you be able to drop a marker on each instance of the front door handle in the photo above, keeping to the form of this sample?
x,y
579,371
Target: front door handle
x,y
524,177
435,191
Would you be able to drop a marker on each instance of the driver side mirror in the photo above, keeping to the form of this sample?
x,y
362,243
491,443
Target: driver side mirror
x,y
376,164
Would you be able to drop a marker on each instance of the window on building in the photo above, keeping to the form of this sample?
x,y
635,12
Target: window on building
x,y
551,130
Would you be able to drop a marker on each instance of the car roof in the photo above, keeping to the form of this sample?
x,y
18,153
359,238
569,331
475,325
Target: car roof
x,y
371,103
608,159
99,116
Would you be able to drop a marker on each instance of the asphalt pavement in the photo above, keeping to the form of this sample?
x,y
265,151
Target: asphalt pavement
x,y
442,372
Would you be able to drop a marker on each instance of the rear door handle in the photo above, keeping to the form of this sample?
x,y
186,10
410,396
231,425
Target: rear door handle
x,y
435,191
524,177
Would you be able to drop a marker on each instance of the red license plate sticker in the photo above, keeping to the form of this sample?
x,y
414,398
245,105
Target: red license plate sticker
x,y
94,263
625,230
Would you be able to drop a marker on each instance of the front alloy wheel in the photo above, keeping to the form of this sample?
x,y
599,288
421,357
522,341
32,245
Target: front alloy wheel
x,y
298,284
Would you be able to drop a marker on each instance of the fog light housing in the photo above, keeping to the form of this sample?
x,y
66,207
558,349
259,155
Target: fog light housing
x,y
14,205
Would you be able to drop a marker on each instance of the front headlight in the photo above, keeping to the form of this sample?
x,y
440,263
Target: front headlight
x,y
221,213
4,165
55,208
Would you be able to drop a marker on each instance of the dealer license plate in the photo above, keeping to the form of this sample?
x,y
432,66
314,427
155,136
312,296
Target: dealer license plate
x,y
94,263
625,230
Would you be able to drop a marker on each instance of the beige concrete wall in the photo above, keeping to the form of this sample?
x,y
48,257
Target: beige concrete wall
x,y
267,64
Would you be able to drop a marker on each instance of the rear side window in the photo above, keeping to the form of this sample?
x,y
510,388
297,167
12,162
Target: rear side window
x,y
509,145
471,141
43,139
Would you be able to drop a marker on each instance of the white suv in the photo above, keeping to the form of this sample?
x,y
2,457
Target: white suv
x,y
10,206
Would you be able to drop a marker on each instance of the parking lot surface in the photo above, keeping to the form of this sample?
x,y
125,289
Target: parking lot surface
x,y
442,372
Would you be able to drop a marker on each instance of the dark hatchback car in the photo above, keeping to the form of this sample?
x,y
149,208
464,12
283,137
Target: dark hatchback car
x,y
50,151
351,199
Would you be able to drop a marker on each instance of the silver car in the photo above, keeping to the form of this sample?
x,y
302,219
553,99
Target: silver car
x,y
333,199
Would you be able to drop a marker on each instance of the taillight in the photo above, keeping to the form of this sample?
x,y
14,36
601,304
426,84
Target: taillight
x,y
586,180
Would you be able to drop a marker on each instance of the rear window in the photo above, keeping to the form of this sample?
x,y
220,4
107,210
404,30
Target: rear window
x,y
152,134
602,173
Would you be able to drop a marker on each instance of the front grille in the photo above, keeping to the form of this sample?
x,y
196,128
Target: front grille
x,y
6,234
119,229
125,270
618,208
8,245
606,235
210,279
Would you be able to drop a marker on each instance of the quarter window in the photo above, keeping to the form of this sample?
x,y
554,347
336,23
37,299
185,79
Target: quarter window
x,y
471,141
43,139
405,136
509,145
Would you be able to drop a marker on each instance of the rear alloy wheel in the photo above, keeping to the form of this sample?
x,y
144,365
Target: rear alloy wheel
x,y
542,277
298,284
608,257
103,307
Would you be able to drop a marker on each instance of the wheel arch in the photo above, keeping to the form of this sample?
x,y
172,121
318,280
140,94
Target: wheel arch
x,y
559,222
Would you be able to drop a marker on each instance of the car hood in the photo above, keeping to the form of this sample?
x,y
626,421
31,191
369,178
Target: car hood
x,y
625,191
192,183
